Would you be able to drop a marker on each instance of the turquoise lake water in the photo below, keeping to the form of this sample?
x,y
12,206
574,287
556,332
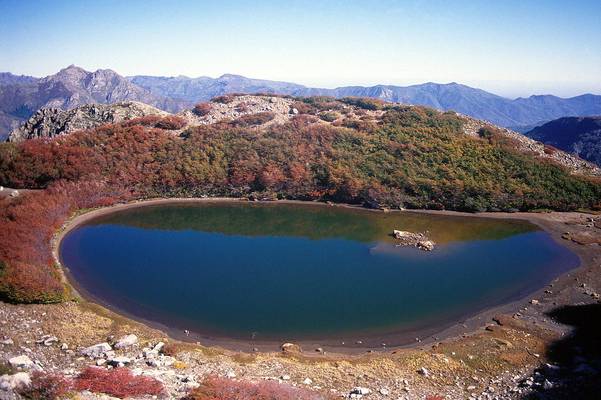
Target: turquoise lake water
x,y
299,272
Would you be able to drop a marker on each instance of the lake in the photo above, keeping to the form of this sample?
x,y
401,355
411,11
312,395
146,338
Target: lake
x,y
281,272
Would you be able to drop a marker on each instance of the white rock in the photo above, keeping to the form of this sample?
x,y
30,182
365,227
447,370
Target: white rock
x,y
285,377
384,392
423,371
230,374
308,381
126,341
15,381
7,342
96,350
21,362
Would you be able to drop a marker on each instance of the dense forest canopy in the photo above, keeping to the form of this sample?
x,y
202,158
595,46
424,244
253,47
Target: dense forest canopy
x,y
411,157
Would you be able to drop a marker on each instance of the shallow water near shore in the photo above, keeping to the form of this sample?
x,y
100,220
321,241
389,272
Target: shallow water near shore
x,y
273,272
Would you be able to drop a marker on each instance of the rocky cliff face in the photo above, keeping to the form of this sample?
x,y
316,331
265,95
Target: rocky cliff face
x,y
51,122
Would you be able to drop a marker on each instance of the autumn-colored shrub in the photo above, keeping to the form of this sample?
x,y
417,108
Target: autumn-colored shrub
x,y
254,119
118,382
202,109
435,397
46,386
28,273
329,116
304,108
214,388
550,149
169,122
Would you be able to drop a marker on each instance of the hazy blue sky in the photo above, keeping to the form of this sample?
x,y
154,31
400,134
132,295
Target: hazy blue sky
x,y
513,48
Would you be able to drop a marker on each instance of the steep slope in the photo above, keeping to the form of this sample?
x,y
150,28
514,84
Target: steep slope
x,y
51,122
577,135
72,87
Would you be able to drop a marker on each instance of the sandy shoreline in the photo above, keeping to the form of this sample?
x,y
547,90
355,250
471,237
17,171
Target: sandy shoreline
x,y
553,223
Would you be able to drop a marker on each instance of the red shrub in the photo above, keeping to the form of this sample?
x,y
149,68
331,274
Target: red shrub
x,y
119,382
548,149
202,109
46,386
169,123
214,388
435,397
27,268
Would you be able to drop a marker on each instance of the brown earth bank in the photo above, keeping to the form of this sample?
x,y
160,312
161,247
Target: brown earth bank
x,y
544,346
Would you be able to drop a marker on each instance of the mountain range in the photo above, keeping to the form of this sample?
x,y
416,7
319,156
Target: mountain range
x,y
21,96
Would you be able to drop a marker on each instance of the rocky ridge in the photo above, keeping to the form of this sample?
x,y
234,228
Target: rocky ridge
x,y
51,122
278,109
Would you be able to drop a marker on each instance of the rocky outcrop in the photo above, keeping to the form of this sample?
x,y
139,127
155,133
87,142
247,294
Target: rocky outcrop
x,y
71,87
51,122
234,107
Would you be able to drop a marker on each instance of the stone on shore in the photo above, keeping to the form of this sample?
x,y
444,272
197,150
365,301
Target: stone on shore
x,y
126,341
96,350
20,362
15,381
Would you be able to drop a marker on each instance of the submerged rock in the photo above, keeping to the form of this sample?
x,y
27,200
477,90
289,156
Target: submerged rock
x,y
418,240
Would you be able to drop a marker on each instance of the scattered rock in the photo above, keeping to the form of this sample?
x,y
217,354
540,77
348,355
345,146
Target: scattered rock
x,y
15,381
308,381
126,341
96,350
424,372
20,362
119,361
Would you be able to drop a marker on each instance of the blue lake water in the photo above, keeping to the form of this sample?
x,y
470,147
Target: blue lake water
x,y
296,272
